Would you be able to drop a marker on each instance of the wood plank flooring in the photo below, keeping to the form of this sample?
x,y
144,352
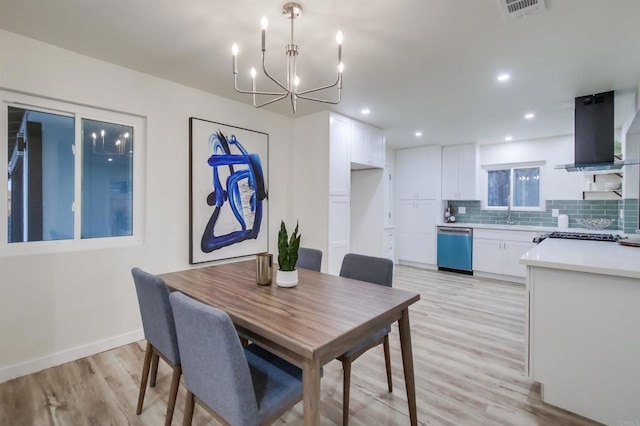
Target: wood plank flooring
x,y
468,347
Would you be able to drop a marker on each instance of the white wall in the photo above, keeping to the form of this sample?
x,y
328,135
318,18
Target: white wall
x,y
59,306
556,184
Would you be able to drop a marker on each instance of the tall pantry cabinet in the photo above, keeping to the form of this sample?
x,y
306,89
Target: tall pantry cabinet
x,y
419,204
331,217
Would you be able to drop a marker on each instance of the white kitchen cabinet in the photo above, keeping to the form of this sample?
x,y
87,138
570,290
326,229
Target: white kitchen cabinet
x,y
339,156
339,233
416,230
459,172
418,173
367,146
498,251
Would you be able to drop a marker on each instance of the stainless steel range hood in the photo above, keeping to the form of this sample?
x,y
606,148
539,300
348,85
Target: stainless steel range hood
x,y
594,135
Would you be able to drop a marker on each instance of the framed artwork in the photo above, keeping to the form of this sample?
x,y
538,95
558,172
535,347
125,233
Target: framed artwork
x,y
227,191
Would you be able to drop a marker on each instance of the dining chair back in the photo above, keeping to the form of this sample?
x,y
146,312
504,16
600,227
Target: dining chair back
x,y
160,333
375,270
238,386
309,258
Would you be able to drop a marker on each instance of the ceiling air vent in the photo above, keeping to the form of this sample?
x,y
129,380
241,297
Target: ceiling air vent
x,y
514,9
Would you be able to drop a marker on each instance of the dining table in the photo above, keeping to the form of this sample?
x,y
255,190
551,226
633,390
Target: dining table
x,y
308,325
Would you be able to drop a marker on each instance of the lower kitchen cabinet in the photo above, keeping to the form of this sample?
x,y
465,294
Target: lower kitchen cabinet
x,y
416,230
498,252
388,245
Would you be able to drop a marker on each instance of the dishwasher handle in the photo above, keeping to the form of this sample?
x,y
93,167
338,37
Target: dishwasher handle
x,y
455,231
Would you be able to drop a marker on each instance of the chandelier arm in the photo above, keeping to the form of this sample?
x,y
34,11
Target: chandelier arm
x,y
275,80
271,101
304,92
324,101
252,92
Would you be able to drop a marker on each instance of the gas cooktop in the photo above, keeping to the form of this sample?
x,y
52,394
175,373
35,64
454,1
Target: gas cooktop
x,y
584,236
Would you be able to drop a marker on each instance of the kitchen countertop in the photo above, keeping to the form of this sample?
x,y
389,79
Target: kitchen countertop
x,y
595,257
503,227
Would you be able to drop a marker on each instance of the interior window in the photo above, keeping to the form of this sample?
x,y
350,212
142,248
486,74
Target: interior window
x,y
50,195
107,175
40,176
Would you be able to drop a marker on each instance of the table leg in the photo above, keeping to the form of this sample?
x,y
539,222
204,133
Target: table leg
x,y
407,364
311,391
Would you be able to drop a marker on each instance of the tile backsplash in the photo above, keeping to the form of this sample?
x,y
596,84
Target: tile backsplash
x,y
575,209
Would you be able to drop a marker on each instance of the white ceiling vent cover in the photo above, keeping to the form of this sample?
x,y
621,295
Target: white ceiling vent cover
x,y
514,9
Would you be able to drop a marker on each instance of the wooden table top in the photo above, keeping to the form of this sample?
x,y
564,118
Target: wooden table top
x,y
323,316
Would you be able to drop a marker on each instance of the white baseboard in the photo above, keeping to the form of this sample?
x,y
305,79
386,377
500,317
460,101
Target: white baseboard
x,y
38,364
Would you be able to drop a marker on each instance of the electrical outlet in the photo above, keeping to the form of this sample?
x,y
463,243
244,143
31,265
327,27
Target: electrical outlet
x,y
462,210
555,212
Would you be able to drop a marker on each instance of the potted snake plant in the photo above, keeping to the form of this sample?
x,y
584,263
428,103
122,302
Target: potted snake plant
x,y
287,275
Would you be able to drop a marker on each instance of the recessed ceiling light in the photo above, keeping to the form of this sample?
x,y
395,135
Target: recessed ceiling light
x,y
504,77
529,116
365,111
508,138
418,134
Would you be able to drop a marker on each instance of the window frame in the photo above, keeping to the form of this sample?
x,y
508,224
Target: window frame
x,y
78,112
511,167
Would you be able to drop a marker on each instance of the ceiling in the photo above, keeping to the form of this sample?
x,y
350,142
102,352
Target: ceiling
x,y
419,65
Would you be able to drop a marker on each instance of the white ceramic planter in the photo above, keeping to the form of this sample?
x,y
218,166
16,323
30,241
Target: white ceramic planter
x,y
287,278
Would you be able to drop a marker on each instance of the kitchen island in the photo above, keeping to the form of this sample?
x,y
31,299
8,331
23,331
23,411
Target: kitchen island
x,y
583,329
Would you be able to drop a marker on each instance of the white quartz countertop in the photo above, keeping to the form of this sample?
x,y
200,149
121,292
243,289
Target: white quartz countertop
x,y
596,257
502,227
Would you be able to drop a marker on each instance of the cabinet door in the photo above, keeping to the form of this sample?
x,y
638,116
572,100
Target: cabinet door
x,y
406,230
449,172
427,215
487,256
467,172
429,172
375,143
407,174
513,251
358,141
339,167
339,219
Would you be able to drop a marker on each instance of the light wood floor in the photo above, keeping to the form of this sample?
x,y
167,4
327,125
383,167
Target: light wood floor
x,y
468,346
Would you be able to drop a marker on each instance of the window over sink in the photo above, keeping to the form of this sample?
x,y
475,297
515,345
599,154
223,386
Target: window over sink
x,y
513,187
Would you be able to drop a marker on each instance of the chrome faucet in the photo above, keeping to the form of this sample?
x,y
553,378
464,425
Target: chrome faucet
x,y
508,216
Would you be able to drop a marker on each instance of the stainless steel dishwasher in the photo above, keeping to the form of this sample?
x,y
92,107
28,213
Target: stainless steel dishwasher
x,y
455,249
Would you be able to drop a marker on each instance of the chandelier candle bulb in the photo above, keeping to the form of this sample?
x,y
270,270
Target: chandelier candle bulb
x,y
234,52
264,24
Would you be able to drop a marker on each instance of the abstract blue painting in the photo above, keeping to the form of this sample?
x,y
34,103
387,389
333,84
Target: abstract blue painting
x,y
228,194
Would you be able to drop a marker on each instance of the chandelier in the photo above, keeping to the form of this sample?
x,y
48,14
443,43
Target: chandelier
x,y
290,88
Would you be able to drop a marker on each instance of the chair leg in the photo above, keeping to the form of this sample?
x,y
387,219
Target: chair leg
x,y
173,393
346,385
387,361
154,369
145,376
189,405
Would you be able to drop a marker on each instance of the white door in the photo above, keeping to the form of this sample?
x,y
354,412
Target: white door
x,y
467,188
406,230
358,142
427,215
449,172
513,251
487,255
407,174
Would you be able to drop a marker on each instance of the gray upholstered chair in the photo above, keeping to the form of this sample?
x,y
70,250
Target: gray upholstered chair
x,y
160,332
238,386
375,270
309,258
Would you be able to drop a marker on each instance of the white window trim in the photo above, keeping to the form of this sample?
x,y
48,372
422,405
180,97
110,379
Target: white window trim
x,y
77,111
523,165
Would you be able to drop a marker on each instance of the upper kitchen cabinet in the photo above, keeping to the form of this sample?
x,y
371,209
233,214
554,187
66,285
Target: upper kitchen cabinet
x,y
418,173
367,146
459,172
339,150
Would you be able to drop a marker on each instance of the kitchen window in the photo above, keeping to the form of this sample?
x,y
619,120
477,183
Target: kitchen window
x,y
516,187
71,173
